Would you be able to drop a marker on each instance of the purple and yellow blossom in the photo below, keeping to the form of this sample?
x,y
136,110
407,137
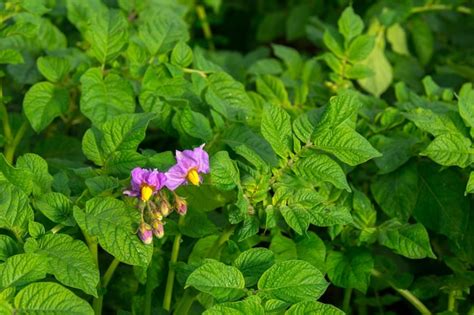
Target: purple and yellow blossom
x,y
190,163
145,183
145,232
158,228
180,204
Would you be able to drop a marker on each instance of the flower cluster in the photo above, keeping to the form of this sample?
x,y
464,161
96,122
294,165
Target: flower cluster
x,y
147,185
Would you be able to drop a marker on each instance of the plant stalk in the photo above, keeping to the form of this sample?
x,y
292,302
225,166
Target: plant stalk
x,y
201,13
346,304
440,7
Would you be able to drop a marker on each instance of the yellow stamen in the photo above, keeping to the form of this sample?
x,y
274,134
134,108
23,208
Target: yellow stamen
x,y
193,177
146,192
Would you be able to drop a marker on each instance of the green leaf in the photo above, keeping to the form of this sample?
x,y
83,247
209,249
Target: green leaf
x,y
38,168
43,102
283,247
107,33
69,261
273,89
314,308
50,298
276,129
15,211
80,12
182,55
162,30
363,213
36,229
195,124
431,122
10,56
320,167
224,283
22,269
265,66
450,149
423,39
350,269
396,151
397,192
470,184
329,215
296,217
350,24
358,71
225,174
397,38
251,305
8,247
56,207
346,144
334,41
105,97
53,68
253,263
292,281
291,58
340,110
228,97
311,248
466,99
101,184
409,240
360,48
114,225
441,205
18,177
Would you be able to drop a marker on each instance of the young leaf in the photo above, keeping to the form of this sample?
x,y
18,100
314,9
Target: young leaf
x,y
273,89
341,108
253,263
69,261
15,210
350,24
53,68
225,174
292,281
107,33
290,57
251,305
111,221
411,240
224,283
195,124
38,168
450,149
334,41
105,97
296,217
329,215
360,48
350,269
314,308
50,298
182,55
10,56
42,103
276,128
22,269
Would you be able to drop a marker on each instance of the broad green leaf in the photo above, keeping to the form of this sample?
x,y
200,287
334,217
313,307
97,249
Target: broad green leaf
x,y
19,177
265,66
360,48
162,30
292,281
441,205
105,97
305,124
359,71
350,269
56,207
350,24
450,149
329,215
432,122
311,248
313,308
43,102
253,263
101,184
228,97
320,167
423,39
396,151
225,174
22,269
38,168
107,33
334,41
114,225
397,192
470,184
50,298
80,12
224,283
397,38
53,68
466,104
283,247
346,144
340,110
410,240
273,89
195,124
251,305
36,229
182,55
10,56
8,247
274,305
15,211
363,213
296,217
291,58
276,128
5,307
69,261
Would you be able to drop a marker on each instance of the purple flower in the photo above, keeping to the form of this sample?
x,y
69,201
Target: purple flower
x,y
145,183
190,163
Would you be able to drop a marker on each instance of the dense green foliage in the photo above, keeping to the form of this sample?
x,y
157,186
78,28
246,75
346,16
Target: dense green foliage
x,y
340,136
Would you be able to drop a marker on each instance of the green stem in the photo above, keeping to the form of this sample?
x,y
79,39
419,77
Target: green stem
x,y
440,7
201,73
56,228
405,293
110,272
452,301
11,147
148,291
94,249
346,304
201,13
185,303
171,270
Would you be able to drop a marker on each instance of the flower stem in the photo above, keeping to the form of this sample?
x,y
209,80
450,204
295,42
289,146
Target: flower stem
x,y
201,13
148,291
346,304
201,73
171,270
441,7
405,293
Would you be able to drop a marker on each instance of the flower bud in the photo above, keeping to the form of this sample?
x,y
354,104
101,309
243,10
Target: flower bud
x,y
145,233
181,205
158,228
165,207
